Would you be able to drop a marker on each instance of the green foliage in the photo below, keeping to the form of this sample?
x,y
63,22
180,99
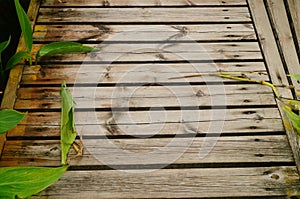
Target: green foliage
x,y
296,76
67,128
23,182
25,25
16,58
4,45
63,47
9,119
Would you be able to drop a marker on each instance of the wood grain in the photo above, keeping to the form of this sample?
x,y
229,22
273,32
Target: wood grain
x,y
144,15
178,183
56,3
153,151
125,33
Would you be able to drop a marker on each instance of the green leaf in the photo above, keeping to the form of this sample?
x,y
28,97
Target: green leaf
x,y
63,47
296,76
4,45
67,126
25,25
293,117
9,119
17,58
23,182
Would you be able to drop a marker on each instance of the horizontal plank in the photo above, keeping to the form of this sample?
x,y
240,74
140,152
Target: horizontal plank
x,y
144,117
238,126
178,183
114,33
144,15
146,91
245,149
145,123
147,96
149,52
57,3
135,73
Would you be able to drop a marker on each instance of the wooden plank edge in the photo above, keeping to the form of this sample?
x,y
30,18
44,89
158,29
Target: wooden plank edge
x,y
15,75
273,61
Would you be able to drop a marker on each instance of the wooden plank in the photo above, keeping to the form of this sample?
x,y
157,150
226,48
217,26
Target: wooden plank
x,y
286,42
135,73
178,183
154,151
238,126
294,7
275,66
165,51
99,32
16,72
142,123
52,93
70,3
269,47
144,15
162,96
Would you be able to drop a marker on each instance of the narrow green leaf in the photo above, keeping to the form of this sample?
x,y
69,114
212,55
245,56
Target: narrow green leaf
x,y
296,76
63,47
4,45
25,25
67,128
17,58
23,182
9,119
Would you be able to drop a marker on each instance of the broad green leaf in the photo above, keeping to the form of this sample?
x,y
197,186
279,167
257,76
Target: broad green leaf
x,y
25,25
293,117
63,47
4,45
9,119
296,76
67,126
23,182
17,58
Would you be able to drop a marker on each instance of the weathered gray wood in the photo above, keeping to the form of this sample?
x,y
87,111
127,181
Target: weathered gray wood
x,y
99,32
276,69
173,99
52,93
144,15
294,7
178,183
150,52
15,74
237,126
269,47
136,73
243,149
286,42
142,2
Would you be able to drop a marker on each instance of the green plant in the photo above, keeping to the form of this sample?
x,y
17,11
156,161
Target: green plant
x,y
9,119
68,132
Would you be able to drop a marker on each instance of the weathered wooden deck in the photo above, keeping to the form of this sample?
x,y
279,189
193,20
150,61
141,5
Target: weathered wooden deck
x,y
135,120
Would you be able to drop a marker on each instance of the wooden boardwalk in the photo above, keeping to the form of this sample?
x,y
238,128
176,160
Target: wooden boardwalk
x,y
149,136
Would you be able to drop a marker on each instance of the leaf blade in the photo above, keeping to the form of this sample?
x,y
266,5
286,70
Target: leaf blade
x,y
63,47
16,58
4,45
9,119
25,25
68,131
26,181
